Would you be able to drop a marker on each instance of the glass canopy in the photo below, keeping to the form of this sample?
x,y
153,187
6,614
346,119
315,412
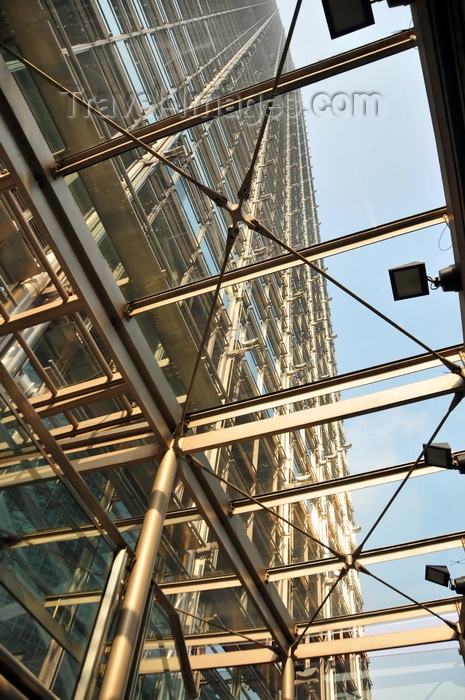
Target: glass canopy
x,y
213,412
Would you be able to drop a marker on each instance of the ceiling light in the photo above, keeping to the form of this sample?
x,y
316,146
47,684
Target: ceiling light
x,y
345,16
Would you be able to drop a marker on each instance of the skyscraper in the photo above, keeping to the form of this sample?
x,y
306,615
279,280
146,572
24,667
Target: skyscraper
x,y
169,520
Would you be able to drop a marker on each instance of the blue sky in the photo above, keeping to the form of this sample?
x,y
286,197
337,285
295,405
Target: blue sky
x,y
370,170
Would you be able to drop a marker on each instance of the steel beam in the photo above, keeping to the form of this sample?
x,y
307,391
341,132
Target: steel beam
x,y
330,488
335,246
134,455
327,565
442,607
203,662
255,94
41,314
377,642
9,692
61,405
339,383
325,413
372,556
84,391
315,650
22,678
189,515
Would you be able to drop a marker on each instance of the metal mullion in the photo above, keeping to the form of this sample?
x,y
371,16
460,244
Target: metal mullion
x,y
107,604
35,363
54,407
34,608
46,378
93,345
39,251
4,313
7,182
83,390
229,103
64,469
335,246
42,314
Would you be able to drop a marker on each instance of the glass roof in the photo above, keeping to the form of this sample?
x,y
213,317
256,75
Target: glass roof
x,y
213,412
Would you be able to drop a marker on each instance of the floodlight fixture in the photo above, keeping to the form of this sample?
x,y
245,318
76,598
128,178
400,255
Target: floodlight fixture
x,y
408,281
346,16
441,576
411,280
439,454
438,574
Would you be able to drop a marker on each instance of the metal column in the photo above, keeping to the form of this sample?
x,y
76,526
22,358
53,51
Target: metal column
x,y
119,662
288,679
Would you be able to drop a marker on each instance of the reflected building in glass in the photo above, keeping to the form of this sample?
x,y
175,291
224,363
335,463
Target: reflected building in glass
x,y
125,322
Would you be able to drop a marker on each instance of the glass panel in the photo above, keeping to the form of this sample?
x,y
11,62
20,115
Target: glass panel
x,y
22,635
427,673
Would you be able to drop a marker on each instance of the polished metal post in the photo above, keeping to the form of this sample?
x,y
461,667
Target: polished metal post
x,y
118,666
288,679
